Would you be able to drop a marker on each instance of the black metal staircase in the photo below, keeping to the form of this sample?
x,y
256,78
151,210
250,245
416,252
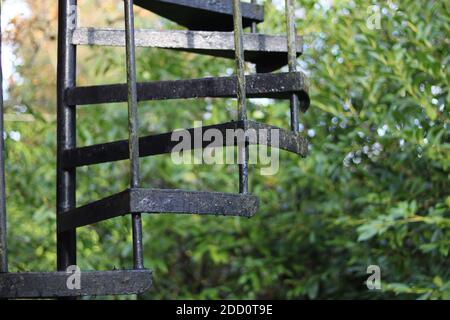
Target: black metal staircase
x,y
216,29
207,15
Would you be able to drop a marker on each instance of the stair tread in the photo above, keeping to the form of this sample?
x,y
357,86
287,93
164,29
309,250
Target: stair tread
x,y
203,14
268,52
162,144
263,85
157,201
92,283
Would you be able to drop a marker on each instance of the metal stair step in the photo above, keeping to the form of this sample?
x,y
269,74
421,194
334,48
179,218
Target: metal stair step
x,y
92,283
203,14
163,144
265,85
156,201
268,52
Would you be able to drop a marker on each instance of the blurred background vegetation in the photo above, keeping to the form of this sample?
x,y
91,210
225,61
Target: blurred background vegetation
x,y
374,190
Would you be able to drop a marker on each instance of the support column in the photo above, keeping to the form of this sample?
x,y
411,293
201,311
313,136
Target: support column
x,y
66,129
133,128
241,93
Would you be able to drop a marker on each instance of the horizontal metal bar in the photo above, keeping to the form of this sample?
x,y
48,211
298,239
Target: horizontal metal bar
x,y
163,144
104,209
193,202
277,86
182,39
160,201
269,52
92,283
203,14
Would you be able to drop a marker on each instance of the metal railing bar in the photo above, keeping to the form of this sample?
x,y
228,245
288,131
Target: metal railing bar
x,y
241,92
292,60
133,127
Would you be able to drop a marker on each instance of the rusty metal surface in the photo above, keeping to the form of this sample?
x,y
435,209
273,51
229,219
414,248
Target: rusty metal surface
x,y
92,283
277,86
203,14
154,201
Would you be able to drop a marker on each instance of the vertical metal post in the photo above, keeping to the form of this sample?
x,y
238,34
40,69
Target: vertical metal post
x,y
133,127
292,59
3,242
241,93
66,129
254,28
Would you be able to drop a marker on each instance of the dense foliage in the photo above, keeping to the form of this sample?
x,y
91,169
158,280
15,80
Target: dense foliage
x,y
374,190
